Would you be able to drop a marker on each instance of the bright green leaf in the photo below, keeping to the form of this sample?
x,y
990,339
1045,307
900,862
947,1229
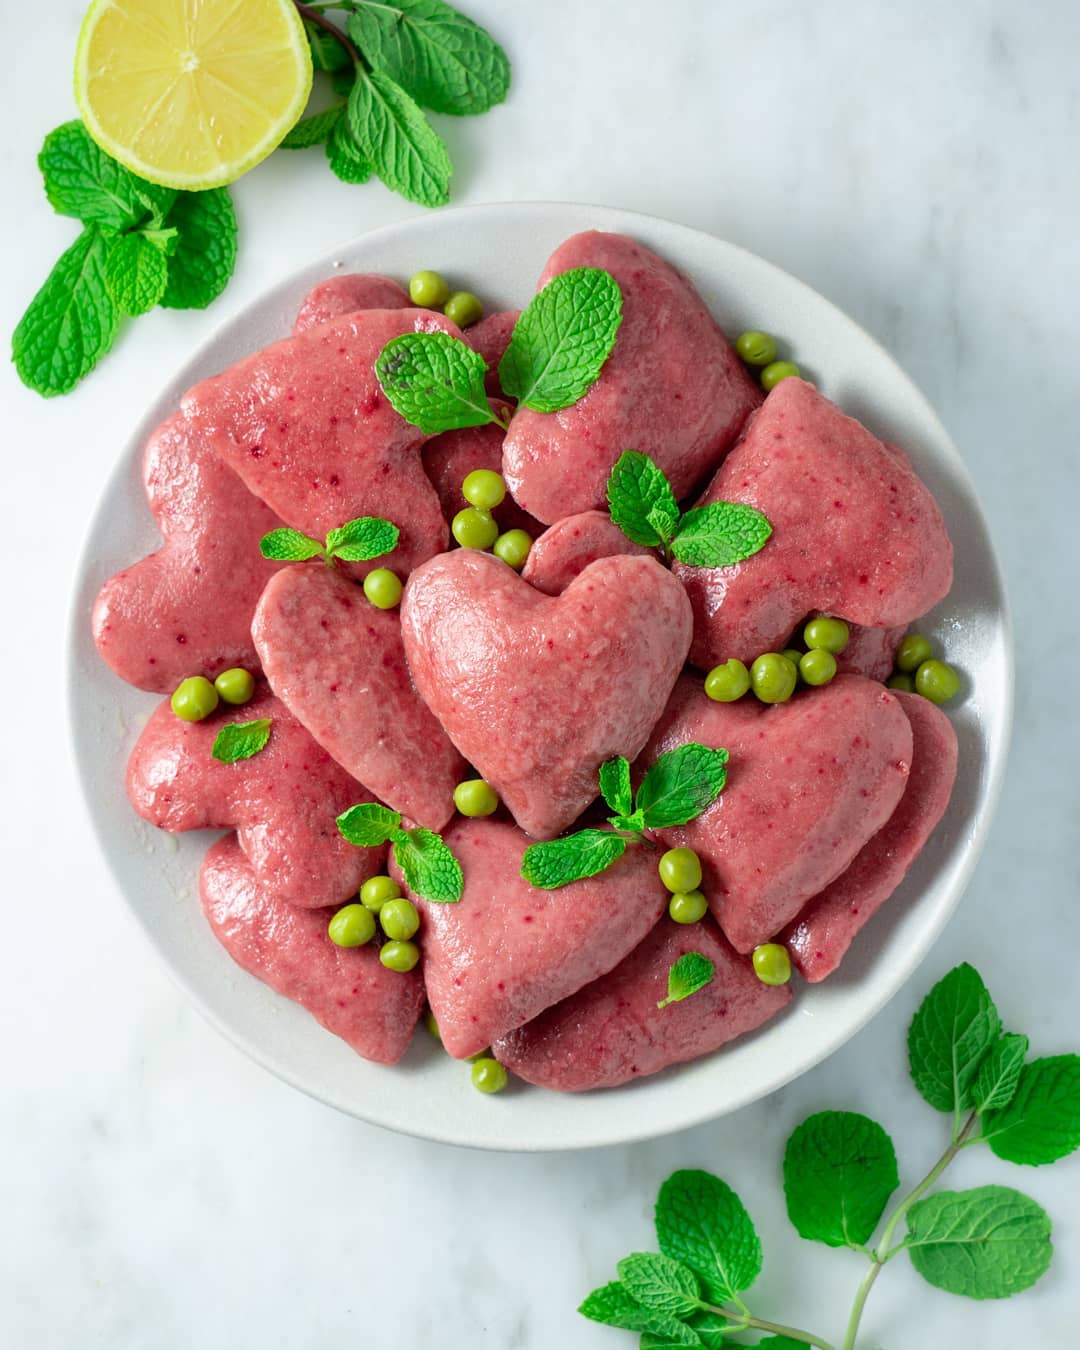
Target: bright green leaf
x,y
839,1171
702,1223
1042,1121
990,1242
951,1033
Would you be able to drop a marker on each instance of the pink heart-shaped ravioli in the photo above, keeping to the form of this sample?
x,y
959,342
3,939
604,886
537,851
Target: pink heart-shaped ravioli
x,y
307,427
338,665
612,1032
187,608
672,387
506,950
809,782
347,989
283,802
566,548
537,691
451,457
336,296
821,935
855,532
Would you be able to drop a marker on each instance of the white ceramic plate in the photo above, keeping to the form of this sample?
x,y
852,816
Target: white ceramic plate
x,y
498,251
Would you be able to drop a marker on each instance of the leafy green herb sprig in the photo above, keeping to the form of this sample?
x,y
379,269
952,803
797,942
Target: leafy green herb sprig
x,y
430,868
357,540
558,347
643,506
677,788
840,1172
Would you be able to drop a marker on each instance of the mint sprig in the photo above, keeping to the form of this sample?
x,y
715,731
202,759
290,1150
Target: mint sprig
x,y
680,785
357,540
688,974
430,868
840,1171
643,506
241,740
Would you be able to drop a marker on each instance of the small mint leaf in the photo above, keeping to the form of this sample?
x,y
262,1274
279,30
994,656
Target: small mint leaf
x,y
689,974
641,501
136,272
205,254
286,545
999,1076
659,1283
347,160
613,1306
313,130
435,381
431,870
362,539
720,535
561,861
241,740
633,823
369,824
615,784
681,784
1042,1121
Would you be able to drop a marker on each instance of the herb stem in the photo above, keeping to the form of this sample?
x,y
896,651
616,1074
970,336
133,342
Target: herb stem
x,y
314,14
745,1322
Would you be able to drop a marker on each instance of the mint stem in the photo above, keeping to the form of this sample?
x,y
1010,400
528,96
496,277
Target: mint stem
x,y
747,1323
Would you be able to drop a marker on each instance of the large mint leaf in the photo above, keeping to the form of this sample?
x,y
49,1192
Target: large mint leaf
x,y
702,1223
951,1033
839,1171
720,534
397,140
435,381
561,861
986,1243
681,784
1041,1123
369,824
81,180
205,254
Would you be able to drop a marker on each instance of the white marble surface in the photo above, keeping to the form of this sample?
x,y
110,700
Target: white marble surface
x,y
916,163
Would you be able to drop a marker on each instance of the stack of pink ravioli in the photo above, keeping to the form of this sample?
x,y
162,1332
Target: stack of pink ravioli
x,y
533,680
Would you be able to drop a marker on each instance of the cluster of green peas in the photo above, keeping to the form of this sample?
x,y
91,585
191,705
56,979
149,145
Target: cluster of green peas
x,y
354,924
430,290
196,698
759,350
918,672
475,527
680,871
773,676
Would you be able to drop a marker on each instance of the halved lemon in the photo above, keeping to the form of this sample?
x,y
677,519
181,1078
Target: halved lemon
x,y
191,93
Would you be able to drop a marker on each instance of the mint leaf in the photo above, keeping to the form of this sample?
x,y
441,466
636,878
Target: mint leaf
x,y
346,159
81,180
327,53
136,271
633,823
1042,1121
431,870
286,545
205,254
839,1171
561,340
70,323
444,60
398,141
689,974
241,740
615,784
369,824
985,1243
999,1076
313,130
560,861
720,534
681,784
953,1029
362,539
641,501
702,1223
660,1283
613,1306
434,381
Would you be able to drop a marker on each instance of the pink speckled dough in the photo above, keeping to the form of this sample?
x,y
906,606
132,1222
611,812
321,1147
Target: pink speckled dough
x,y
336,296
870,651
672,388
612,1032
491,337
451,457
826,928
283,802
566,548
186,609
506,950
338,665
809,782
537,691
306,426
346,989
856,532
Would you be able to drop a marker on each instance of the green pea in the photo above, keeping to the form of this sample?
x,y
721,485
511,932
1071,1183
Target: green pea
x,y
900,679
488,1075
383,588
688,906
726,683
484,488
432,1026
429,290
399,956
756,349
826,635
772,964
777,371
937,681
474,797
193,699
375,892
793,655
474,529
818,666
235,686
773,678
680,870
513,548
399,919
914,649
352,926
463,308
